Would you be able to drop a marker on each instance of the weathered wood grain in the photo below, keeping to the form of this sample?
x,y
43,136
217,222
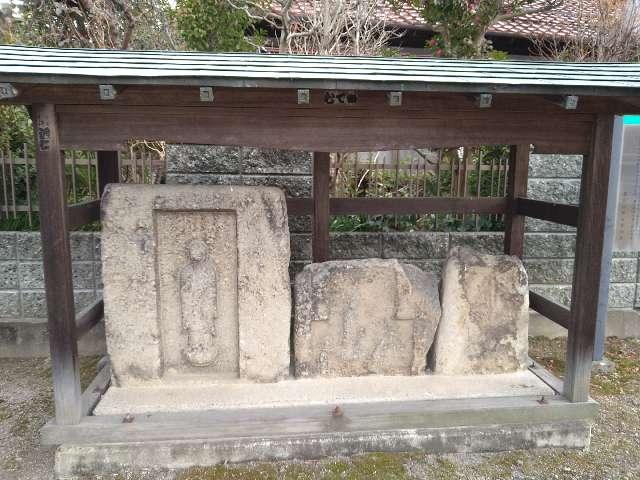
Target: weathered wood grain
x,y
518,174
56,252
588,261
321,216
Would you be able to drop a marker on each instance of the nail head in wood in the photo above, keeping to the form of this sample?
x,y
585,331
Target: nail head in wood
x,y
483,100
107,92
7,91
206,94
304,96
394,99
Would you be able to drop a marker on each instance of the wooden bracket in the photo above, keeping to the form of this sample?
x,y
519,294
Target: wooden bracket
x,y
7,91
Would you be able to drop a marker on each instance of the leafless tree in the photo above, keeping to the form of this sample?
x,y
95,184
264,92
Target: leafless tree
x,y
342,27
323,27
118,24
612,34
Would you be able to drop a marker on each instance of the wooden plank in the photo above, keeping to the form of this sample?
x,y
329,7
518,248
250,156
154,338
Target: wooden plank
x,y
56,252
588,262
321,217
546,376
356,417
563,213
443,103
89,318
420,205
516,187
108,171
400,206
92,395
80,214
300,206
106,127
549,309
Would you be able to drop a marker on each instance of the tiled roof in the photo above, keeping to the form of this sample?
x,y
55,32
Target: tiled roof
x,y
559,22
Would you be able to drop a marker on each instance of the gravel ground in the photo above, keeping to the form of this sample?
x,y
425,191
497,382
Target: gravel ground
x,y
25,404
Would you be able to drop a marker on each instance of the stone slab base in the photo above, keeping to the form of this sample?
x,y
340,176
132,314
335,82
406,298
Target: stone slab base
x,y
182,397
74,461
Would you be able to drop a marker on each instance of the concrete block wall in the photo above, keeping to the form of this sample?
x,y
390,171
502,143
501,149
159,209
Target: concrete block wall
x,y
23,310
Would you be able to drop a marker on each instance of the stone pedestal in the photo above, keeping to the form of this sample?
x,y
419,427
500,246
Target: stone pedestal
x,y
362,317
485,314
196,283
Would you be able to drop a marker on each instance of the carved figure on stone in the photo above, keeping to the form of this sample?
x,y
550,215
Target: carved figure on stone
x,y
199,305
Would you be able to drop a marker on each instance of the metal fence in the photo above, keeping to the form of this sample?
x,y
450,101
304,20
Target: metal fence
x,y
18,190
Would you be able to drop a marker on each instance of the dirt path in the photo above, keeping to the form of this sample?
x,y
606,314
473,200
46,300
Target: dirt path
x,y
25,404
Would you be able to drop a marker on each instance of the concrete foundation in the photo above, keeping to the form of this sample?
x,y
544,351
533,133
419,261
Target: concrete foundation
x,y
74,461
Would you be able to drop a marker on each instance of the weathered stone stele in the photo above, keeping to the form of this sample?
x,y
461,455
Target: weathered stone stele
x,y
362,317
485,315
196,283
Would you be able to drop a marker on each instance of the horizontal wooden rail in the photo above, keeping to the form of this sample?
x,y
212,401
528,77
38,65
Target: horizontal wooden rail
x,y
82,213
551,310
562,213
401,206
89,317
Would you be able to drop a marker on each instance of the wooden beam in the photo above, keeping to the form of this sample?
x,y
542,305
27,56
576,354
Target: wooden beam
x,y
321,217
401,206
56,252
313,419
316,128
89,318
422,205
108,171
562,213
83,213
175,95
586,275
549,309
518,174
92,395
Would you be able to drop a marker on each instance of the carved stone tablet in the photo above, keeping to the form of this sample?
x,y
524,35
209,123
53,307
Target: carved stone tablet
x,y
485,315
196,283
363,317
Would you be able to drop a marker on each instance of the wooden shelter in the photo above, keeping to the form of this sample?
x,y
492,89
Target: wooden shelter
x,y
94,99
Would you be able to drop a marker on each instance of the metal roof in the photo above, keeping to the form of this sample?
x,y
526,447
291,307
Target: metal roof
x,y
82,66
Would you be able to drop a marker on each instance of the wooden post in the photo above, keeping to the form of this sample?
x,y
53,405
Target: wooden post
x,y
56,254
321,217
588,260
107,169
516,187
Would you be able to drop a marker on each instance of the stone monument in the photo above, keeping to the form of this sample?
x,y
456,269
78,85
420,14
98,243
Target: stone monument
x,y
196,283
364,317
485,315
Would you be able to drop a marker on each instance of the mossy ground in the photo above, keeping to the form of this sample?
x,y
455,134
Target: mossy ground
x,y
614,452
